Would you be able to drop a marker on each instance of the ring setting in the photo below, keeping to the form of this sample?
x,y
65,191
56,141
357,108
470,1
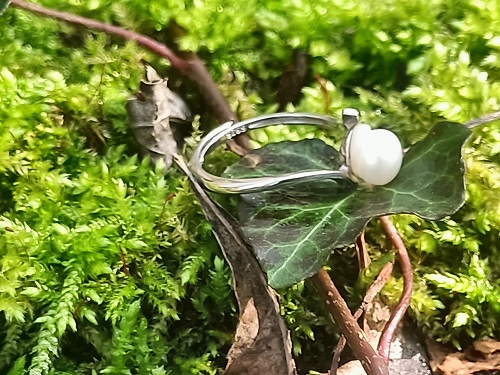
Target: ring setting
x,y
371,156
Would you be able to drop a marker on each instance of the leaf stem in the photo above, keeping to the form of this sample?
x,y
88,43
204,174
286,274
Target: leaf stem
x,y
384,344
490,117
370,360
192,67
371,293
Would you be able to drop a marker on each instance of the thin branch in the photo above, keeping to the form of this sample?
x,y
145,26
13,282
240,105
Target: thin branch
x,y
384,344
370,360
371,293
124,262
192,67
375,288
324,90
490,117
144,41
364,262
362,252
79,306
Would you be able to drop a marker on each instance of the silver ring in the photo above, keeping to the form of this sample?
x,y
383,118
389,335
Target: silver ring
x,y
229,130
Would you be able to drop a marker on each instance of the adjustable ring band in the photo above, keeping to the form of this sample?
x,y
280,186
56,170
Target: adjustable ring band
x,y
229,130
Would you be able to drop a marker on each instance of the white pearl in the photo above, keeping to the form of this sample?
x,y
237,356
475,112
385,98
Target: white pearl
x,y
374,156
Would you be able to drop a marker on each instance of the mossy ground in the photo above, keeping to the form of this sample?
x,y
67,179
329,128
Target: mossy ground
x,y
100,273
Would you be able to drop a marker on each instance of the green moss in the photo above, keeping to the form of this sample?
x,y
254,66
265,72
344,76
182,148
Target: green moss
x,y
99,272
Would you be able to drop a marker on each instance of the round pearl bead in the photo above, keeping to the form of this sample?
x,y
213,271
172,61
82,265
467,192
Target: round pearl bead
x,y
374,156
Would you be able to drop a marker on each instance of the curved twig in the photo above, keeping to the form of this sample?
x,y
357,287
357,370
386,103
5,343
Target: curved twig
x,y
373,363
371,293
192,67
384,344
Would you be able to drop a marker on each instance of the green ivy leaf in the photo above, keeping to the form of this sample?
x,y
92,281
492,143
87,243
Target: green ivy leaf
x,y
294,229
4,4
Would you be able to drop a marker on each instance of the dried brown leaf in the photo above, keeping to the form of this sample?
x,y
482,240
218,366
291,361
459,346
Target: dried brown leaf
x,y
262,342
154,113
487,347
482,358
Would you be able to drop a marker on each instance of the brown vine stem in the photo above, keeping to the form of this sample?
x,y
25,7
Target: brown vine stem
x,y
400,309
384,344
373,363
193,68
371,293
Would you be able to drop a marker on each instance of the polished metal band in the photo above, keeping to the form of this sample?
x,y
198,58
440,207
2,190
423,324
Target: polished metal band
x,y
257,184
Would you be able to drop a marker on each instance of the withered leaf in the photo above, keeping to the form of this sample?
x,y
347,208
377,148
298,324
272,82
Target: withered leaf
x,y
262,343
155,112
482,358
